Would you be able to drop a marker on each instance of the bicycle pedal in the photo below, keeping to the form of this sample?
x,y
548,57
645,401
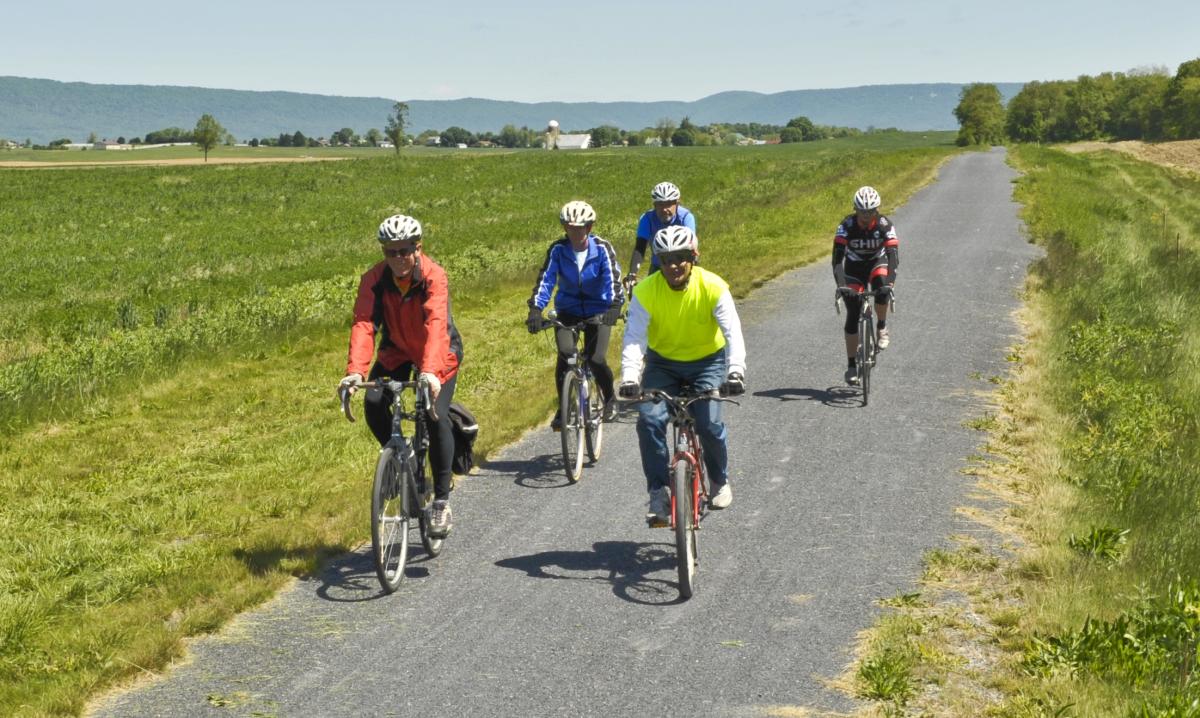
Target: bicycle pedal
x,y
654,522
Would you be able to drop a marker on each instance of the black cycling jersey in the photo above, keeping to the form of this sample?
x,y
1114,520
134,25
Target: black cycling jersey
x,y
867,252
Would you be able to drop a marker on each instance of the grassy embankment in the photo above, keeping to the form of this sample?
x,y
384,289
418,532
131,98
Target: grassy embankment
x,y
1096,443
171,337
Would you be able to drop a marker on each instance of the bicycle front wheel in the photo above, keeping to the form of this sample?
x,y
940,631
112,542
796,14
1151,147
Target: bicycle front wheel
x,y
594,428
685,526
866,356
390,519
572,428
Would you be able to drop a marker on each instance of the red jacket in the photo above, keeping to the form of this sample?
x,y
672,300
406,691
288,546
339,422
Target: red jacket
x,y
415,327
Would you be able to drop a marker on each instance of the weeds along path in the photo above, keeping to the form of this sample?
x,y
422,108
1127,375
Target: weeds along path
x,y
553,599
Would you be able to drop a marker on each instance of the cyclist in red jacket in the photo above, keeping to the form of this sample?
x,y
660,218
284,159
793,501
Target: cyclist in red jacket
x,y
404,302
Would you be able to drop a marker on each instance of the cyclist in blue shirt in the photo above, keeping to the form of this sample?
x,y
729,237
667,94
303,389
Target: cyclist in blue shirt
x,y
667,212
585,269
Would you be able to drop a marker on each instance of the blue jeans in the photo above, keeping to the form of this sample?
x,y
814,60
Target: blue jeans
x,y
669,376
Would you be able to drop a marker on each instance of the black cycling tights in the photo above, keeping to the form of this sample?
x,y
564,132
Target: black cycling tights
x,y
595,348
854,306
378,408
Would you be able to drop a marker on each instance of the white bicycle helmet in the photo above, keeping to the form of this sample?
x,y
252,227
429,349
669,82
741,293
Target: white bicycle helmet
x,y
674,238
665,192
398,228
577,214
866,198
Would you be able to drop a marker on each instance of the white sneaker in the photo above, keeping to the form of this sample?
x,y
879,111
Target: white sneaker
x,y
439,520
660,507
852,376
884,339
722,498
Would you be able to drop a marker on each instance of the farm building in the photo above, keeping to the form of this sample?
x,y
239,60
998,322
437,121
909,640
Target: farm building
x,y
574,142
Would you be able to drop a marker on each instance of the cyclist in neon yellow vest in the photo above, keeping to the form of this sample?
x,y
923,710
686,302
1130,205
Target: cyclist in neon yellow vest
x,y
682,325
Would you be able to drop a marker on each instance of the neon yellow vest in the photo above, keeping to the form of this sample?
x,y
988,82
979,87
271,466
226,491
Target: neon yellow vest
x,y
682,325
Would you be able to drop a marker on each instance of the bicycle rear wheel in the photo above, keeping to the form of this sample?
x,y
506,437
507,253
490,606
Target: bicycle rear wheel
x,y
685,526
594,428
866,356
390,519
572,428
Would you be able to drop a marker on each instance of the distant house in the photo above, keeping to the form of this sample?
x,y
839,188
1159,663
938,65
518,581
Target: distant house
x,y
435,141
574,142
386,144
110,145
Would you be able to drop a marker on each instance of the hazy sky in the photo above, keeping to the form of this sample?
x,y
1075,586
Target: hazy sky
x,y
534,51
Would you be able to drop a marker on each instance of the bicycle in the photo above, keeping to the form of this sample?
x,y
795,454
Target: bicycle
x,y
401,490
582,418
688,486
868,339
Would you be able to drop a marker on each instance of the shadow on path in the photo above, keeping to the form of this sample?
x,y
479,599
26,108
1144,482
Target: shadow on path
x,y
839,397
540,472
624,564
352,578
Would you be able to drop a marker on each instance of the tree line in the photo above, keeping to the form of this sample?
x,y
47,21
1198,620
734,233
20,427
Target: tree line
x,y
1143,104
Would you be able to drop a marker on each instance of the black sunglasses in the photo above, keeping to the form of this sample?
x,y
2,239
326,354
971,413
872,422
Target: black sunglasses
x,y
678,257
400,251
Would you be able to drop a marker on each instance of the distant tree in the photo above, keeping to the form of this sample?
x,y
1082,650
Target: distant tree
x,y
55,144
1181,102
91,138
396,122
1136,109
791,134
342,136
121,140
980,114
510,136
665,128
254,142
135,140
1033,112
299,140
453,136
808,131
170,134
373,137
1087,108
208,133
683,137
605,135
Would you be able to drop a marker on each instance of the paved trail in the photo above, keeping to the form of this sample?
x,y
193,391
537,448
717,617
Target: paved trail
x,y
556,600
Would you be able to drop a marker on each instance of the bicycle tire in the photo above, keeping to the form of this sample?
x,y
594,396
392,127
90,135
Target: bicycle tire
x,y
390,519
571,431
685,526
866,359
594,428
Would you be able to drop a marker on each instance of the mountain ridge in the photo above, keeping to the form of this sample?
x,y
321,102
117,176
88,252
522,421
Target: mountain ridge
x,y
43,110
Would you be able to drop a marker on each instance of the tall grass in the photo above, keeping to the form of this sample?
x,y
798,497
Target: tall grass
x,y
171,337
1116,600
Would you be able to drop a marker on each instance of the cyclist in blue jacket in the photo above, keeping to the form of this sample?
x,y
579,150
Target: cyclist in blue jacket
x,y
584,267
667,212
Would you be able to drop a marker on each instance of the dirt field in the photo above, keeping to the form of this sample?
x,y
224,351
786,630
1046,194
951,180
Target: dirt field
x,y
1182,155
177,161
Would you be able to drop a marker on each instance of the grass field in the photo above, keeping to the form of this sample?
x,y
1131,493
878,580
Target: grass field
x,y
172,154
171,336
1110,401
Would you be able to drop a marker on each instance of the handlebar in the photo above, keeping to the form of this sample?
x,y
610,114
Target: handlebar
x,y
682,401
420,386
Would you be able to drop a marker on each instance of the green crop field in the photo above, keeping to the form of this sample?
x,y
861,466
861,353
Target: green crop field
x,y
170,337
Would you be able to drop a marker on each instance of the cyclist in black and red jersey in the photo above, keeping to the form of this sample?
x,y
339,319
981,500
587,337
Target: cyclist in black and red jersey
x,y
865,253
